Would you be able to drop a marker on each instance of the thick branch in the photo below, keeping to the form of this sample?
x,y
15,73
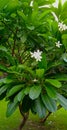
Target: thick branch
x,y
44,119
49,113
25,117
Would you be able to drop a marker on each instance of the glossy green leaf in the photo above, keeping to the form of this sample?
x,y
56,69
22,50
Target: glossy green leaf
x,y
3,89
3,4
26,90
35,11
14,90
11,107
40,108
51,91
49,103
3,68
7,54
30,27
44,2
35,92
62,100
64,56
8,5
43,63
19,97
26,68
44,14
21,14
40,73
61,77
54,82
64,39
6,81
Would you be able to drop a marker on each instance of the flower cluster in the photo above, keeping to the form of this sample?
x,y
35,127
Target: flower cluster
x,y
36,55
58,44
62,27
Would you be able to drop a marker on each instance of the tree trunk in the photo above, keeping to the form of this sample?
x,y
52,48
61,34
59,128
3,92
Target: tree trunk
x,y
25,117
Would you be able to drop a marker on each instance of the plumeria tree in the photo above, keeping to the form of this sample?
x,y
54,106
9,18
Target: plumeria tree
x,y
33,56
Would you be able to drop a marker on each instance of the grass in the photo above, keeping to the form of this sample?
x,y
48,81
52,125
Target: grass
x,y
11,122
57,121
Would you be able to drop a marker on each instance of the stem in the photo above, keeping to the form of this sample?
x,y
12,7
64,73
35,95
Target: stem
x,y
15,34
44,119
25,117
13,47
19,56
49,113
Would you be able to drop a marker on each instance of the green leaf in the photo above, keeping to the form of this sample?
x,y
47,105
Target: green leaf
x,y
59,7
3,4
26,90
14,90
21,14
62,100
12,5
2,48
34,11
44,2
63,15
43,63
30,27
5,81
23,38
35,92
49,103
51,91
40,73
54,82
3,68
55,64
8,5
3,89
7,54
25,68
64,56
45,13
61,77
40,108
64,40
11,107
19,97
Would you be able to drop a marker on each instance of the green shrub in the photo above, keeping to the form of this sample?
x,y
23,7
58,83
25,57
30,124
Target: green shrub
x,y
33,55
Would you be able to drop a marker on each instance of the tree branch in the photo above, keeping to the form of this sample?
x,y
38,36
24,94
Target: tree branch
x,y
25,117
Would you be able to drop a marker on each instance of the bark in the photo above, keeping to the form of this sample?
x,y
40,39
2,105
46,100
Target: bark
x,y
25,117
44,119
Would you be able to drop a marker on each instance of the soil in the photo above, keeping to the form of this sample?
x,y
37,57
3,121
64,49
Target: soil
x,y
31,125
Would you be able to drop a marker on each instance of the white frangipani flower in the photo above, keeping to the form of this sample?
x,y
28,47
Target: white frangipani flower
x,y
36,55
62,27
58,44
35,80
